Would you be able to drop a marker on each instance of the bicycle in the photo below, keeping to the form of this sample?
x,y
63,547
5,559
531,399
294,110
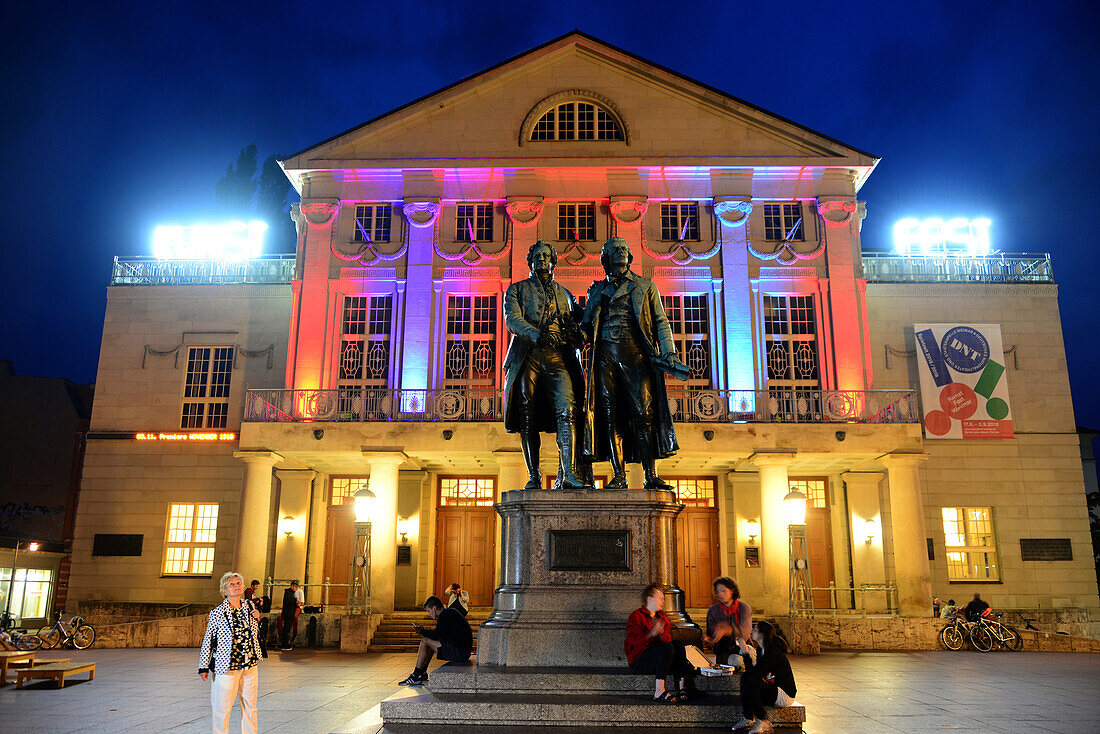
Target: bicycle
x,y
77,633
954,635
19,640
987,632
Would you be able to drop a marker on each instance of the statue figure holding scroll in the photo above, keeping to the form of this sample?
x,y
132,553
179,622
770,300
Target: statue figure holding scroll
x,y
627,416
544,384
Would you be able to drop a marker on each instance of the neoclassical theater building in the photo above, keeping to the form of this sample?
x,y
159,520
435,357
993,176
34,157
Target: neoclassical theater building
x,y
240,405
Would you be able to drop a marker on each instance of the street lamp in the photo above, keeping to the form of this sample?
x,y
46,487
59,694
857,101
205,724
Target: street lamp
x,y
32,547
359,594
794,507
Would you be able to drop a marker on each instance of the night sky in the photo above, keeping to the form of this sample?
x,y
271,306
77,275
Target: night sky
x,y
117,117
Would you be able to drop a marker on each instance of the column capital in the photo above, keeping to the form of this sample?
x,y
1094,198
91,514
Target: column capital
x,y
384,458
258,457
524,211
628,209
509,459
306,474
319,212
836,211
732,211
897,460
421,211
861,477
772,458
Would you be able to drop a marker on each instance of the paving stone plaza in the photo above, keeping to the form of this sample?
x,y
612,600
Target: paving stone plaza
x,y
157,690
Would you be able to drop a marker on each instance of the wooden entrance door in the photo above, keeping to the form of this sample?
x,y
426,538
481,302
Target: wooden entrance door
x,y
819,537
464,551
697,546
339,534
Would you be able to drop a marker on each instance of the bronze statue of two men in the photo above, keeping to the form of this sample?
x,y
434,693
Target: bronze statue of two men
x,y
613,409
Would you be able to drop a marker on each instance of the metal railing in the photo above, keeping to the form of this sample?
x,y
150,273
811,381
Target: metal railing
x,y
273,584
1023,268
358,405
153,271
889,588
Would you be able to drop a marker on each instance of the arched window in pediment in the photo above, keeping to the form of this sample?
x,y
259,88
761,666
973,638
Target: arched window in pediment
x,y
574,115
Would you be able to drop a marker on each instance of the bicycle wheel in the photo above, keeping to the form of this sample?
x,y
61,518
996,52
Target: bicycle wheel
x,y
83,637
980,639
952,638
1015,641
27,642
50,637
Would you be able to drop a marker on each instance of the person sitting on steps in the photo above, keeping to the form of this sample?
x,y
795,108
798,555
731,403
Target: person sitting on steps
x,y
728,621
767,682
650,648
451,639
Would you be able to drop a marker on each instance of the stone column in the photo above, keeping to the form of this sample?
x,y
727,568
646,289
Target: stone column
x,y
318,529
910,539
250,555
867,558
733,214
421,215
628,213
383,543
840,230
294,496
774,540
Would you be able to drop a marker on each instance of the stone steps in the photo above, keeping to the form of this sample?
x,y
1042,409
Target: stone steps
x,y
395,632
457,679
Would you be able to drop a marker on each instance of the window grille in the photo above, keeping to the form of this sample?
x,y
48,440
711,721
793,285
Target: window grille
x,y
688,318
680,222
365,355
467,491
971,546
817,495
790,334
478,217
372,221
471,356
577,222
342,489
782,222
192,531
694,491
206,387
577,121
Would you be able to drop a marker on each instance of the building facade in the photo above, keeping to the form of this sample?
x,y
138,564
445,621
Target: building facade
x,y
378,362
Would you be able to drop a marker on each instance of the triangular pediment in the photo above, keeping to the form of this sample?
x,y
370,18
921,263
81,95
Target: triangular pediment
x,y
480,120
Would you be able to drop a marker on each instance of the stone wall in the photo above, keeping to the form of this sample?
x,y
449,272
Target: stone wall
x,y
189,631
114,613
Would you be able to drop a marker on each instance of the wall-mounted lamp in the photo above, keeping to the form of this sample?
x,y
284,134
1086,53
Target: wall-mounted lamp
x,y
752,529
288,524
872,530
403,528
32,546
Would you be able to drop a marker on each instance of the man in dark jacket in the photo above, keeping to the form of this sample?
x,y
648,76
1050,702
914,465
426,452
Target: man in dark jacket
x,y
627,416
975,608
543,382
451,640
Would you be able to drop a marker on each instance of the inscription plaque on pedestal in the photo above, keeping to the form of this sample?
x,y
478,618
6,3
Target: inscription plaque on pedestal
x,y
589,550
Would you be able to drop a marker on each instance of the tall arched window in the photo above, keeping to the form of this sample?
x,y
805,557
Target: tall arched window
x,y
577,120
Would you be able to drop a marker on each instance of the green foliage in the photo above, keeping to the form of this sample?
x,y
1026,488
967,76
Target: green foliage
x,y
244,194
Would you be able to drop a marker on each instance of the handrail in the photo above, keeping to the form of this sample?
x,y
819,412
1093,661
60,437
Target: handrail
x,y
140,270
1001,268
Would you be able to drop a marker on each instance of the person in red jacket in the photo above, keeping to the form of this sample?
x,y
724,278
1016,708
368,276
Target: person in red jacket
x,y
650,649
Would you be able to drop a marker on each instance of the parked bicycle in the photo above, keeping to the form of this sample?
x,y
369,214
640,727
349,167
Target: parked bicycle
x,y
19,640
77,633
989,632
955,634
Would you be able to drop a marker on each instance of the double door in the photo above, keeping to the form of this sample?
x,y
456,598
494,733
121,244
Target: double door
x,y
465,552
697,554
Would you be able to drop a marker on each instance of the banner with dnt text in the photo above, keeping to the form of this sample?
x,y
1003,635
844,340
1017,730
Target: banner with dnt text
x,y
963,385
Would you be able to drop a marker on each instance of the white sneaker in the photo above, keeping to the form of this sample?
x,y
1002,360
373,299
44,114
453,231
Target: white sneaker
x,y
743,724
762,726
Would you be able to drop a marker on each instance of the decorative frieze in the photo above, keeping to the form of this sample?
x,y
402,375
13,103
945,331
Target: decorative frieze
x,y
669,272
766,272
471,273
368,273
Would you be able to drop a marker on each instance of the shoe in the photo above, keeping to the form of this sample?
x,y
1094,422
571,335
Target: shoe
x,y
414,680
618,482
743,724
762,726
655,482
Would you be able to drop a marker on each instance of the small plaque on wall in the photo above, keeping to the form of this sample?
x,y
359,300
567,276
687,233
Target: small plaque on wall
x,y
752,557
589,550
404,555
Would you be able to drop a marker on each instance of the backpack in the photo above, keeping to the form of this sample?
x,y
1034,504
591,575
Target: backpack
x,y
289,600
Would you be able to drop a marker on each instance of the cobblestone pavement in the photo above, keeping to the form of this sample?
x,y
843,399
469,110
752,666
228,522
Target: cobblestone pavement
x,y
307,691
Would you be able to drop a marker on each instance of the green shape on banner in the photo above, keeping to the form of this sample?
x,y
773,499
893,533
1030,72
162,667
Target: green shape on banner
x,y
996,408
991,375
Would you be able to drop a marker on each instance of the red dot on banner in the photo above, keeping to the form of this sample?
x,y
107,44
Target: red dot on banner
x,y
958,401
937,423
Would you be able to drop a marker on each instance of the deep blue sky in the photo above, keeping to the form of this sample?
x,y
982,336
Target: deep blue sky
x,y
118,116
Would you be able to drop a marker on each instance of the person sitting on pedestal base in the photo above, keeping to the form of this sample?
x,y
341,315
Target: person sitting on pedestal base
x,y
650,648
451,639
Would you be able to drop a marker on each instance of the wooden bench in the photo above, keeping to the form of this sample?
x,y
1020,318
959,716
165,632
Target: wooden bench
x,y
56,671
36,662
8,657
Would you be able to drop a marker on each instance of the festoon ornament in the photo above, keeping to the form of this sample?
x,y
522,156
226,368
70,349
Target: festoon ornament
x,y
836,212
732,211
319,212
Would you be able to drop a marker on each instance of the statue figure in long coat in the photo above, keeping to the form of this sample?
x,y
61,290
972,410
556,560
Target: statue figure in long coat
x,y
627,415
544,384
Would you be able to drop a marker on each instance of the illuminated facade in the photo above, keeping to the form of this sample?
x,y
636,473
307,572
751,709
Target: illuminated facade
x,y
378,360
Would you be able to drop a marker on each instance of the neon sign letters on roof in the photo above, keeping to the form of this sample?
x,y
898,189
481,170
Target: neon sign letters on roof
x,y
229,241
936,237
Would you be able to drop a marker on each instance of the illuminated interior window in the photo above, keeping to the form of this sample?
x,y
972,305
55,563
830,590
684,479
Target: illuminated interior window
x,y
791,342
577,121
191,534
467,491
815,490
971,547
680,222
372,223
694,491
476,217
577,222
342,489
783,222
364,363
206,387
470,359
30,593
688,317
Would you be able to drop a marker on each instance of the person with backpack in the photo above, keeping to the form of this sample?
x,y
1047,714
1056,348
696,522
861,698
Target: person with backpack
x,y
293,601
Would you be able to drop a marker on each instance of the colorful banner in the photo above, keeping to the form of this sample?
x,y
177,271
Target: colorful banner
x,y
963,386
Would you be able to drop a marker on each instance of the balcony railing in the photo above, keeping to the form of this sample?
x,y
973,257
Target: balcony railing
x,y
357,405
992,269
153,271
